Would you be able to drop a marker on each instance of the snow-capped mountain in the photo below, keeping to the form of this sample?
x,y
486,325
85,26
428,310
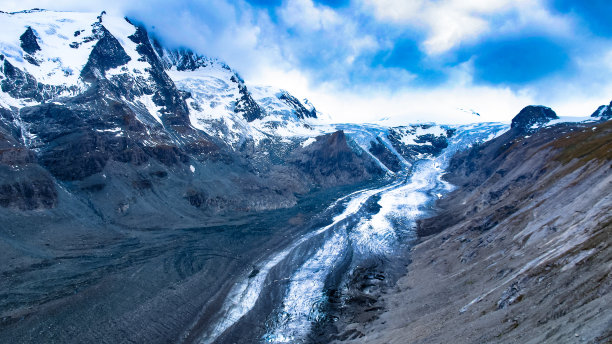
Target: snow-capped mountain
x,y
604,112
90,104
63,53
95,113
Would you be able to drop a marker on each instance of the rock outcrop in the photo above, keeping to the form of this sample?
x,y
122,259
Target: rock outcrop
x,y
298,107
106,54
382,153
604,112
29,43
416,141
532,116
331,161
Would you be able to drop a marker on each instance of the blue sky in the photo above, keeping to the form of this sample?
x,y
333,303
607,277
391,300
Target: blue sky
x,y
419,60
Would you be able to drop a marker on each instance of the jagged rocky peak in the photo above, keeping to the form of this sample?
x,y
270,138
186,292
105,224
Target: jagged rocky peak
x,y
182,59
106,54
604,112
310,107
29,43
300,110
245,104
532,116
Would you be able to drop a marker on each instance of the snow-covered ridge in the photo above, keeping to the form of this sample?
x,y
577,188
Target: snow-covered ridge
x,y
66,40
409,135
212,106
216,100
220,104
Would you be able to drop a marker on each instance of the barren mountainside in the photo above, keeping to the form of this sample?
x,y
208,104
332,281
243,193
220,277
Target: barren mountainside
x,y
520,252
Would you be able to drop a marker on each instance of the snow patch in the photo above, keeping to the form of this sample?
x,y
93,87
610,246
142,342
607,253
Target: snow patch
x,y
150,106
59,63
568,119
409,134
308,142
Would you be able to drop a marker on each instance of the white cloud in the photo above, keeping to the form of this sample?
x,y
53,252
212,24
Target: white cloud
x,y
360,45
445,104
407,105
304,15
451,28
449,23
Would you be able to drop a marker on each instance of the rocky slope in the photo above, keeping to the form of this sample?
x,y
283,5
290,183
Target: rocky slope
x,y
519,252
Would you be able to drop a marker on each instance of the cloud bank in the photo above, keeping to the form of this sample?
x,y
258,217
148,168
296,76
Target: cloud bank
x,y
421,60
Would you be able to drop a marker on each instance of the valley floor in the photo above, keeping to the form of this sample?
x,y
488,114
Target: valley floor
x,y
143,286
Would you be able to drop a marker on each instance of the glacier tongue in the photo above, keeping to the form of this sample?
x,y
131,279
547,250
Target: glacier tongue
x,y
375,234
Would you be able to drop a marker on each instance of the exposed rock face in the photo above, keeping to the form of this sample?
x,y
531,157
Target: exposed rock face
x,y
517,253
532,115
23,184
423,144
20,84
300,110
330,161
29,43
29,194
163,89
245,105
106,54
604,112
380,151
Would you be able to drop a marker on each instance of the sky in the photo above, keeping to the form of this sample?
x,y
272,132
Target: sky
x,y
396,61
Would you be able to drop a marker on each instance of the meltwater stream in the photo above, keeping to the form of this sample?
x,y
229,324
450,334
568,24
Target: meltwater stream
x,y
360,229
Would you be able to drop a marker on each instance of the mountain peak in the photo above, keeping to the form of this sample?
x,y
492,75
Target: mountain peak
x,y
604,112
29,43
532,115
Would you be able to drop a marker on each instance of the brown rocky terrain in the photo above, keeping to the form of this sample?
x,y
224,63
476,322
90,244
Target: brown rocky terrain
x,y
520,252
